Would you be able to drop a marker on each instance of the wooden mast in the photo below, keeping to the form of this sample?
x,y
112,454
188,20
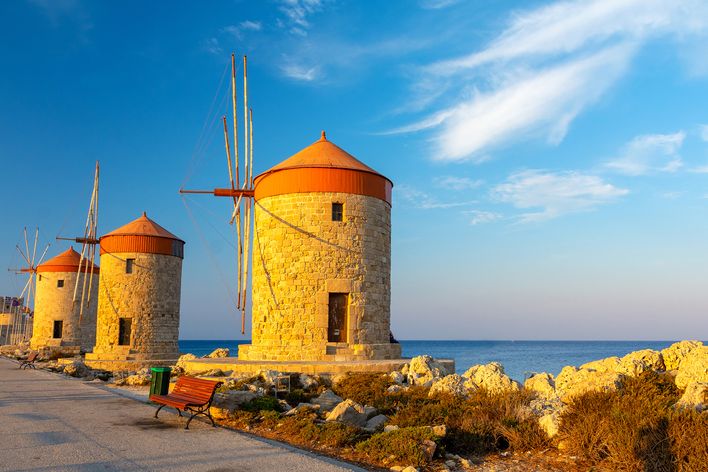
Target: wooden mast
x,y
237,203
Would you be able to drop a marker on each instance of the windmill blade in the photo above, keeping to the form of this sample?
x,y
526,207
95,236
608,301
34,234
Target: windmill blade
x,y
245,121
44,253
34,250
235,116
23,254
27,248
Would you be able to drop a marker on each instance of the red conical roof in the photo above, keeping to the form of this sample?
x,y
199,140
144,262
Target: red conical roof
x,y
142,236
67,261
143,226
322,167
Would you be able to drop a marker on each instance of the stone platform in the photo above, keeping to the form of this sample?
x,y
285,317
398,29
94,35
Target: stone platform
x,y
303,367
116,365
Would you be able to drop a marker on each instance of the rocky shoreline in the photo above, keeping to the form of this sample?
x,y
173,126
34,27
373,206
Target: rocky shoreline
x,y
380,419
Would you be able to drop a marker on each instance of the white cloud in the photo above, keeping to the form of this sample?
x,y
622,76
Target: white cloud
x,y
457,183
250,25
237,30
703,130
212,46
699,170
425,201
437,4
478,217
554,194
297,13
298,72
547,66
650,154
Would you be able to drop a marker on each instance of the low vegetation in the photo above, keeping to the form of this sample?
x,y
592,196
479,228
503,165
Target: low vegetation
x,y
636,428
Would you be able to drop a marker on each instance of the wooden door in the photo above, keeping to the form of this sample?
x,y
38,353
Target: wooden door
x,y
337,322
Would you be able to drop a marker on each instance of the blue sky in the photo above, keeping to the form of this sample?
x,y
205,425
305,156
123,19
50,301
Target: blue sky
x,y
550,159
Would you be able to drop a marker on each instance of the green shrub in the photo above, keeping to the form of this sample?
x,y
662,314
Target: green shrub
x,y
404,446
264,403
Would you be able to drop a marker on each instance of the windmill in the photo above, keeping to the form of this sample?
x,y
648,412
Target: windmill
x,y
88,242
240,191
23,313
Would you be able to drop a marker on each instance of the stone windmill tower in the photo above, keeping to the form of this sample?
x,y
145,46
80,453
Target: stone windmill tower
x,y
139,296
58,321
321,282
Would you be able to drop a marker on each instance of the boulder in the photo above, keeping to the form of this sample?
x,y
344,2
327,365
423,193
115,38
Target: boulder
x,y
638,362
490,377
397,377
542,384
76,369
609,364
673,355
390,427
693,368
695,396
348,412
395,388
308,382
218,352
572,382
376,423
370,411
301,407
449,385
225,403
327,400
135,380
423,370
550,422
182,361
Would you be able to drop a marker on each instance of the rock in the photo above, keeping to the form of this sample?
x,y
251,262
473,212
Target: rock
x,y
449,385
439,430
301,407
390,427
225,403
307,382
269,376
609,364
490,377
394,388
397,468
327,400
423,370
543,385
182,361
213,373
348,412
572,382
218,352
397,377
673,355
638,362
695,396
429,448
76,369
550,423
410,468
135,380
376,423
693,368
370,411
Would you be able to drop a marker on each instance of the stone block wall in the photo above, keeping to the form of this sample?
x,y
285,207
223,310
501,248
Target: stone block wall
x,y
56,303
149,296
300,256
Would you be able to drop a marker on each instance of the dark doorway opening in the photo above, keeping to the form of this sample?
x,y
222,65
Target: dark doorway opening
x,y
124,326
58,328
337,321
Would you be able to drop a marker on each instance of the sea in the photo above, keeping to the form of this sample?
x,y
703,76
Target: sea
x,y
519,358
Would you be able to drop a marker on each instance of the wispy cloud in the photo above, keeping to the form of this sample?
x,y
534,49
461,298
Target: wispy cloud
x,y
450,182
437,4
297,13
212,46
479,217
238,30
298,72
424,200
547,66
553,194
703,132
650,154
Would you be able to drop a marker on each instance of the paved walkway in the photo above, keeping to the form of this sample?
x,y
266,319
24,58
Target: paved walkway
x,y
48,422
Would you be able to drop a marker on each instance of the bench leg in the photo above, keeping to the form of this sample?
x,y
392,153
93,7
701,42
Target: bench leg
x,y
205,412
158,410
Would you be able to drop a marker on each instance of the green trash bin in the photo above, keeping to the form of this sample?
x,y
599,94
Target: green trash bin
x,y
160,381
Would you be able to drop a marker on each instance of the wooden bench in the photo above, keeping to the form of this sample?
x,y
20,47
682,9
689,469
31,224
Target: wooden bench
x,y
190,394
29,362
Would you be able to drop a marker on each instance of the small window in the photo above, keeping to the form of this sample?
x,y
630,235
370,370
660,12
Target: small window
x,y
129,263
337,211
60,283
58,328
124,325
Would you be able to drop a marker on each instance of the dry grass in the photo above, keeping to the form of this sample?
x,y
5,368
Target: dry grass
x,y
365,388
636,428
402,446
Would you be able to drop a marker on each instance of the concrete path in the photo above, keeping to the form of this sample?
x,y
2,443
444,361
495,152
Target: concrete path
x,y
48,422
